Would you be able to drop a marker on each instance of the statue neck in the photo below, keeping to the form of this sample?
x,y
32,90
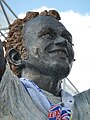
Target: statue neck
x,y
47,83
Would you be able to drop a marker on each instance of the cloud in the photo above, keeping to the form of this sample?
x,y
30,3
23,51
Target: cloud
x,y
22,15
79,27
42,9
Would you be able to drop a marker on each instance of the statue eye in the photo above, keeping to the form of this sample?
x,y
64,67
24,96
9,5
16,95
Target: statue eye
x,y
48,33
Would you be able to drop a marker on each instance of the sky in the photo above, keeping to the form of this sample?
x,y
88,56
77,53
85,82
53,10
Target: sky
x,y
81,6
75,15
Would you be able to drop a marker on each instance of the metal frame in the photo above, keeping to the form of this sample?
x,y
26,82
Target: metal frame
x,y
3,4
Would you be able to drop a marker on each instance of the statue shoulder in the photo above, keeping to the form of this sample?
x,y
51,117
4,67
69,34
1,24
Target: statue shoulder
x,y
8,75
81,109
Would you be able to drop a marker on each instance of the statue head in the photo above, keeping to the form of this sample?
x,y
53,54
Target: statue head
x,y
42,43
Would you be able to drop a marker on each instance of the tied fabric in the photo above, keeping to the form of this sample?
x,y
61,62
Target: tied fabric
x,y
53,112
57,112
36,95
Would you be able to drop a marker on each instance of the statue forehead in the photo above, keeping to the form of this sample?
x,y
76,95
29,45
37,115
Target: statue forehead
x,y
43,21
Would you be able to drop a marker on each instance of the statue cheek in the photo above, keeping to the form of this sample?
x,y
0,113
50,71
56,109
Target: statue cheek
x,y
71,54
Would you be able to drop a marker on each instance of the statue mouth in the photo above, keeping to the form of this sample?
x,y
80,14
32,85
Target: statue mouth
x,y
54,50
62,52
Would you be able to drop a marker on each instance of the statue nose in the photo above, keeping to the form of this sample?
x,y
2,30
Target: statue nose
x,y
60,42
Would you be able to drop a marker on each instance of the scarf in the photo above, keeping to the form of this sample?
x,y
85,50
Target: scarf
x,y
53,112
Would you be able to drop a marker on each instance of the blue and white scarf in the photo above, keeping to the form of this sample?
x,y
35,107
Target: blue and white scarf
x,y
53,112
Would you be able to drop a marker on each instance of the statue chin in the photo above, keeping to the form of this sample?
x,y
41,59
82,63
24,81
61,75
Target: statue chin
x,y
57,72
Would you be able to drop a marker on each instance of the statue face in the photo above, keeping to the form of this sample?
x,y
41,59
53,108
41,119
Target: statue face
x,y
49,46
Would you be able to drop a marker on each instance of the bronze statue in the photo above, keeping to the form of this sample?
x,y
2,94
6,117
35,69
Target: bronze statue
x,y
38,48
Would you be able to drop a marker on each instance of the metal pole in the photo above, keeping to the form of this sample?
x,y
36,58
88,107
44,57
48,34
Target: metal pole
x,y
4,28
10,9
5,13
73,85
2,34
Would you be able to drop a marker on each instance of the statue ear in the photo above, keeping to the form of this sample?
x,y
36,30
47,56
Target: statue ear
x,y
14,57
